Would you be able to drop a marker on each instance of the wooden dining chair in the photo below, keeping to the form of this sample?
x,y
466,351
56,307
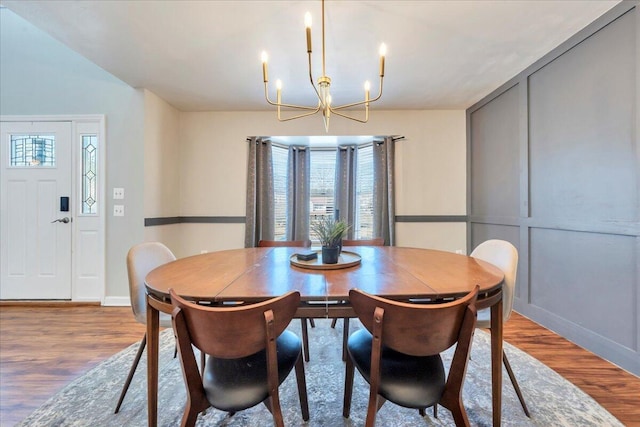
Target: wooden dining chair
x,y
285,243
503,255
398,353
141,259
249,354
376,241
303,321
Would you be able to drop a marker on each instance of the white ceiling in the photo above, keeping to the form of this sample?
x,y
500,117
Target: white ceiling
x,y
205,55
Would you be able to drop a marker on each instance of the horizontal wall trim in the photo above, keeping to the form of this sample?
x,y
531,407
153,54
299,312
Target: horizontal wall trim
x,y
623,228
431,218
214,219
496,220
150,222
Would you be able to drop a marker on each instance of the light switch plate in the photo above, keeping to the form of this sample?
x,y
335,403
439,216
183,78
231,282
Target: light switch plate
x,y
118,210
118,193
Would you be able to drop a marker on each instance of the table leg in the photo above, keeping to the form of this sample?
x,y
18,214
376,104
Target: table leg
x,y
496,361
153,337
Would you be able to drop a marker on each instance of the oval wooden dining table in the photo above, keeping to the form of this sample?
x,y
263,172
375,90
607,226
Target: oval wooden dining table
x,y
255,274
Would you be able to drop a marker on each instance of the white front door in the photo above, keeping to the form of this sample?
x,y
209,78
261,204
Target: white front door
x,y
35,228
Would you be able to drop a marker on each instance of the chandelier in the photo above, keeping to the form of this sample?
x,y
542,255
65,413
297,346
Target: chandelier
x,y
321,88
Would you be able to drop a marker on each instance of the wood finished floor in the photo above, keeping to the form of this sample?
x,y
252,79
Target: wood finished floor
x,y
44,348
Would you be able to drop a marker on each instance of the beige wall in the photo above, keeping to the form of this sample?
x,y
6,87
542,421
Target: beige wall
x,y
162,166
430,173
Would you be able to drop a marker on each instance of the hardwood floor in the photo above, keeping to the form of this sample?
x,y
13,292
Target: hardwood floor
x,y
43,348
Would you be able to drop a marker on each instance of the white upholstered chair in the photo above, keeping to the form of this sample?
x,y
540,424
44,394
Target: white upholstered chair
x,y
503,255
141,259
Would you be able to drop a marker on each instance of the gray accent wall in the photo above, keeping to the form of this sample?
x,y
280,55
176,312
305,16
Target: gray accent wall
x,y
554,167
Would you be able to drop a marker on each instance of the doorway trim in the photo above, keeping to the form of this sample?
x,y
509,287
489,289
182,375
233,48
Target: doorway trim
x,y
88,281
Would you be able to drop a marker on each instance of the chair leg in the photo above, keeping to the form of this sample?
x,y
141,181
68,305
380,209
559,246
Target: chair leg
x,y
348,388
302,389
345,338
333,322
372,409
132,371
459,415
190,416
512,377
305,339
312,322
423,411
273,404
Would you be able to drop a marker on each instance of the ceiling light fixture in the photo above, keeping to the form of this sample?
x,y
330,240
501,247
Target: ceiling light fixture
x,y
322,88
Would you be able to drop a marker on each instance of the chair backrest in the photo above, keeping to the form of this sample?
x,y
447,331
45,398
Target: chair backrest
x,y
237,331
141,259
414,329
378,241
503,255
285,243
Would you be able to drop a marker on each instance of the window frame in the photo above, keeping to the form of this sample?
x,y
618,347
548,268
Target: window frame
x,y
356,226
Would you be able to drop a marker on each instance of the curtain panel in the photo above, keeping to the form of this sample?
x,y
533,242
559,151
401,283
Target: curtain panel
x,y
260,194
383,190
345,186
298,192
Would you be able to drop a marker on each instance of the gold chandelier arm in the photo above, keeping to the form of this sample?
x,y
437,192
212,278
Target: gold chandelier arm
x,y
312,84
354,104
286,119
365,120
280,104
299,107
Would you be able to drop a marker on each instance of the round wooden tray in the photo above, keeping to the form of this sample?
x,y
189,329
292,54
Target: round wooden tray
x,y
345,260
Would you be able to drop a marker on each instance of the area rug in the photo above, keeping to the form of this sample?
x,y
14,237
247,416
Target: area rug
x,y
90,399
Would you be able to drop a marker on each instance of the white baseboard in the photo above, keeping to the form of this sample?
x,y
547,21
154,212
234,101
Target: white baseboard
x,y
117,301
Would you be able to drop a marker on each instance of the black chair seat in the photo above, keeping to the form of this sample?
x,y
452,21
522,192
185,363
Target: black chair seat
x,y
409,381
236,384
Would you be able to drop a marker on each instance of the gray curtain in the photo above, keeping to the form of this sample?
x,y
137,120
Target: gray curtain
x,y
345,186
383,190
298,184
260,195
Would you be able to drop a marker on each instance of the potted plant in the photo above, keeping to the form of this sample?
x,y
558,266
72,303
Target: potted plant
x,y
330,233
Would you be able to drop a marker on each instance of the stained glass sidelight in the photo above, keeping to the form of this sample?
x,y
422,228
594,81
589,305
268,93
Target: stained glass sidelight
x,y
89,174
33,151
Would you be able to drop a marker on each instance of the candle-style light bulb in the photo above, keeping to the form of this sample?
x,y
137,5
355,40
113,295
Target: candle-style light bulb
x,y
265,59
278,91
383,53
367,88
307,24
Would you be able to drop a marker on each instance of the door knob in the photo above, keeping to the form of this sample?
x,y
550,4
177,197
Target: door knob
x,y
64,220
